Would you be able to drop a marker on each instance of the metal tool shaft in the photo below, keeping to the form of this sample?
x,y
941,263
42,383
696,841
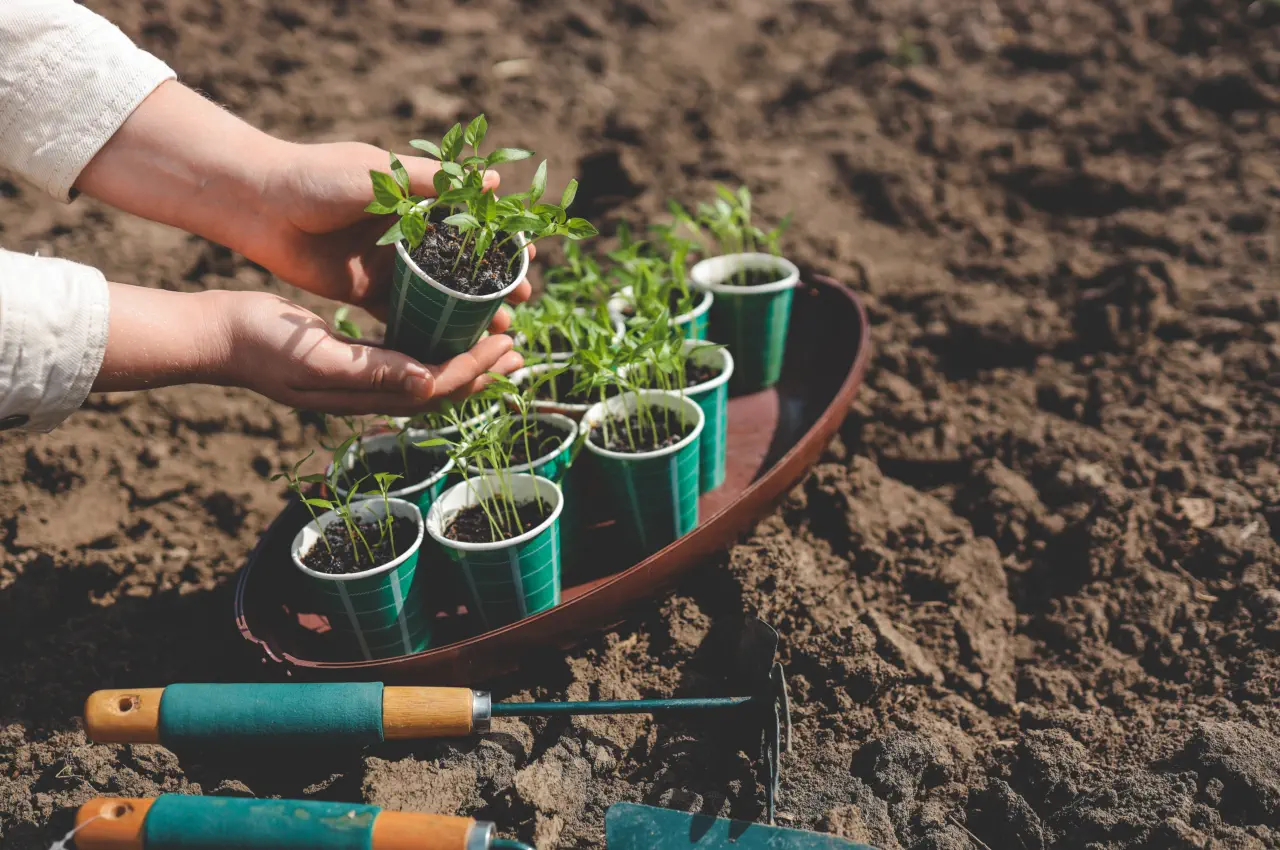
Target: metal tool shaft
x,y
621,706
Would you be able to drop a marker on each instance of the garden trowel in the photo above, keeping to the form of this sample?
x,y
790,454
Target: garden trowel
x,y
208,716
630,826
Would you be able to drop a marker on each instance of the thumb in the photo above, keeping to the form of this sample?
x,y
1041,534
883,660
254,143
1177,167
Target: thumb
x,y
422,171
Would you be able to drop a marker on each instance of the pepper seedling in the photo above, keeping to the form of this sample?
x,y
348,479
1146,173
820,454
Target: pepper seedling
x,y
726,223
462,202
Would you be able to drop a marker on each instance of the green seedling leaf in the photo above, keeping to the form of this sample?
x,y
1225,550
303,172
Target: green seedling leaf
x,y
483,240
580,228
451,144
441,182
427,147
414,228
522,224
401,175
432,443
394,234
463,221
476,130
385,190
507,155
539,185
323,504
344,325
453,169
570,192
379,208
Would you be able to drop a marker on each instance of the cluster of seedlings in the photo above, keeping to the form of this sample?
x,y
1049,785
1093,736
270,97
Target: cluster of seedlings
x,y
620,375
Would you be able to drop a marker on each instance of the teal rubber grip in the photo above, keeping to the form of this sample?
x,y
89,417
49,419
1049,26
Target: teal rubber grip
x,y
178,822
271,715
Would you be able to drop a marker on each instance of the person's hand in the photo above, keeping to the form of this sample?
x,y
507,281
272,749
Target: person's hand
x,y
274,347
317,234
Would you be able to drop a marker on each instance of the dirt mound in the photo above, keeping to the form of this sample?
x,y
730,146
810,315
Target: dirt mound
x,y
1027,598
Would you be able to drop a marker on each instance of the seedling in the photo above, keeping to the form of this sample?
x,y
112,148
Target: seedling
x,y
484,221
726,224
343,324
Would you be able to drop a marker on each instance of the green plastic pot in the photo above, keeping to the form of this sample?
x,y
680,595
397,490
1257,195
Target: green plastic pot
x,y
655,494
751,320
510,579
713,397
378,611
556,466
429,321
421,493
692,325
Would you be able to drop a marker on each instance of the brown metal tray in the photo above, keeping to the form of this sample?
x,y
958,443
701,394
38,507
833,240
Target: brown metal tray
x,y
773,438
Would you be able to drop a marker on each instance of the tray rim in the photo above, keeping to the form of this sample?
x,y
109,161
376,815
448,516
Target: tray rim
x,y
752,503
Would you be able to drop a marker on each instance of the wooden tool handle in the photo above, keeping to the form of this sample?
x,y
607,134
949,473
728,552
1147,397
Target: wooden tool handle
x,y
175,822
123,716
432,712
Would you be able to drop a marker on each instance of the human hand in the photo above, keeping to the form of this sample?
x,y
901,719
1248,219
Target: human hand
x,y
318,235
274,347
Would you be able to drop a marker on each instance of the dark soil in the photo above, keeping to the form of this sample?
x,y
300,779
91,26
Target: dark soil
x,y
695,373
471,524
1029,594
439,251
342,556
423,464
666,431
541,438
752,277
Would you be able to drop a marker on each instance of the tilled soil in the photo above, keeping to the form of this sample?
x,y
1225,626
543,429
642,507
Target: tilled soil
x,y
1028,598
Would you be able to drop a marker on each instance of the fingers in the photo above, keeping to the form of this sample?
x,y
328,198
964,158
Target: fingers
x,y
521,293
508,363
501,321
458,374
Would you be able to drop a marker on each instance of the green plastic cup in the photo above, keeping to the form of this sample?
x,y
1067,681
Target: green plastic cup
x,y
421,493
556,466
751,320
510,579
655,493
430,322
692,325
713,397
378,611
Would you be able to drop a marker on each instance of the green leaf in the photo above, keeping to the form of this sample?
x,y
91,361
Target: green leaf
x,y
507,155
489,206
476,130
320,503
522,224
463,221
382,209
483,240
401,174
414,227
432,443
393,234
453,169
429,147
451,144
475,162
570,192
441,181
385,190
457,196
579,228
539,184
344,325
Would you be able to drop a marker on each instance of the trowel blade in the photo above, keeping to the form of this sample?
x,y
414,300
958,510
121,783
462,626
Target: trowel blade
x,y
630,826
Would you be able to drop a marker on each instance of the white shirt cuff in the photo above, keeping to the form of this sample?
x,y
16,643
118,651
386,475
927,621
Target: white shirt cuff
x,y
53,335
68,80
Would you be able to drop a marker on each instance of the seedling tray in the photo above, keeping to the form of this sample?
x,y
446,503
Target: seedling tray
x,y
774,437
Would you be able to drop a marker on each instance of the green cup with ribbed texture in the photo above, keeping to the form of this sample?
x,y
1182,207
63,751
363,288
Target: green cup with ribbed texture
x,y
556,465
421,493
751,320
654,494
429,321
507,580
692,325
378,611
713,397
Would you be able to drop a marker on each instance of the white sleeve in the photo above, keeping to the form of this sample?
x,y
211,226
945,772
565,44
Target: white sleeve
x,y
68,80
53,334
